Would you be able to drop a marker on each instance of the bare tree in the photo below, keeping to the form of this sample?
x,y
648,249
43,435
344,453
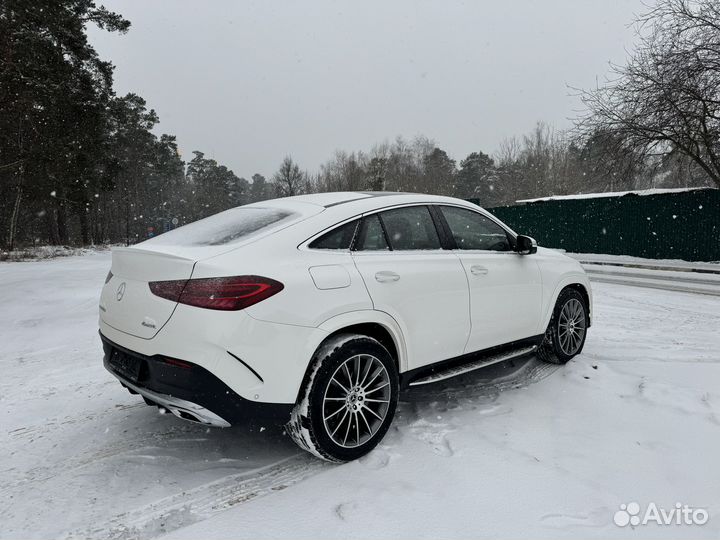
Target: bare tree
x,y
344,172
508,152
667,98
289,180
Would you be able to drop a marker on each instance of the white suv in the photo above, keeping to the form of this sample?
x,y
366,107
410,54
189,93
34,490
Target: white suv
x,y
318,309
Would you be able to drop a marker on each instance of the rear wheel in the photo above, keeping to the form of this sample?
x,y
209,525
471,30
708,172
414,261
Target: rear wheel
x,y
565,335
348,401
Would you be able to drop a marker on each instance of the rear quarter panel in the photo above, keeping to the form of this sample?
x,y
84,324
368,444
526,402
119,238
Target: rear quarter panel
x,y
318,284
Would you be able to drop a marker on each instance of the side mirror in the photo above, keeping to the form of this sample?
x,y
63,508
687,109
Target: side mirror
x,y
525,245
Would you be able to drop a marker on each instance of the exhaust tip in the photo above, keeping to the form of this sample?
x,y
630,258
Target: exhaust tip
x,y
187,416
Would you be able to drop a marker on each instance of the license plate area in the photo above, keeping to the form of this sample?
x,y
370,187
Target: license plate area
x,y
125,365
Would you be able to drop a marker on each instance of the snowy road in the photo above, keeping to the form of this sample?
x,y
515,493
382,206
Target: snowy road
x,y
669,275
521,451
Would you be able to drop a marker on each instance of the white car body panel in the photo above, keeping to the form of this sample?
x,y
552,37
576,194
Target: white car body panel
x,y
429,299
437,310
139,313
301,303
372,316
558,272
278,353
505,297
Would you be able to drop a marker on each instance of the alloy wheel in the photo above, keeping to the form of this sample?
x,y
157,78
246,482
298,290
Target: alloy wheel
x,y
356,400
571,326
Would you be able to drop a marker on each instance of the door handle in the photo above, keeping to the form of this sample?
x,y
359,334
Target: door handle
x,y
477,270
386,277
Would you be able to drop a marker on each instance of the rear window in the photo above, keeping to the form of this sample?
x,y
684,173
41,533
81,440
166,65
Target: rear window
x,y
223,228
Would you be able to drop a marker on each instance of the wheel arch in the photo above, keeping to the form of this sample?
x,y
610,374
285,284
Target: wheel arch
x,y
375,324
579,287
578,282
374,330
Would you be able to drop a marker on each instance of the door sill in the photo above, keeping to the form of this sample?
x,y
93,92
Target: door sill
x,y
466,363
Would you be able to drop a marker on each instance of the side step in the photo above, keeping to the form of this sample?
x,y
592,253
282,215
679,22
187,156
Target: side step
x,y
473,365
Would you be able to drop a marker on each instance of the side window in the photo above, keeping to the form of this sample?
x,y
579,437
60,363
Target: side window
x,y
371,236
411,227
339,238
475,231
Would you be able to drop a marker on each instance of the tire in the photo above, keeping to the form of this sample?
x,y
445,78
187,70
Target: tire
x,y
566,333
339,421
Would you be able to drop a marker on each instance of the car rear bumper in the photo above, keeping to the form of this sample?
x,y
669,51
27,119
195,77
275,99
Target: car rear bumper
x,y
186,410
185,389
262,362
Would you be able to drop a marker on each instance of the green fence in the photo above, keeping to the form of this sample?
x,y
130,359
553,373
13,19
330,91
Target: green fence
x,y
679,225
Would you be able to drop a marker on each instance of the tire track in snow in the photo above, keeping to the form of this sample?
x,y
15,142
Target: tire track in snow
x,y
45,472
200,503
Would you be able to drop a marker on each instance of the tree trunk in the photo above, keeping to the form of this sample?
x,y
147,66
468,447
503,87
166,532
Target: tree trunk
x,y
84,224
15,213
51,222
62,224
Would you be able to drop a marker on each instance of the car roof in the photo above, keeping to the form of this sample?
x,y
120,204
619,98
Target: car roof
x,y
322,211
367,200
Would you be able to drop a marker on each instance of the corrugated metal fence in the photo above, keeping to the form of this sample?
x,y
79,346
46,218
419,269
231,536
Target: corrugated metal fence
x,y
681,225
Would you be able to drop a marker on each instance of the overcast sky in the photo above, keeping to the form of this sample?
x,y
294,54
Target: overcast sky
x,y
249,82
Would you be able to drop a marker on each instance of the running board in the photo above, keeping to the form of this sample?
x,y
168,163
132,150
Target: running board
x,y
472,366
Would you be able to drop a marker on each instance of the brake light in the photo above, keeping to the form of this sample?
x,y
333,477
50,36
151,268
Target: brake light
x,y
225,293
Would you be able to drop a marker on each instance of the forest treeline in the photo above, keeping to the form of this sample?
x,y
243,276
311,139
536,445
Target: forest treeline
x,y
81,165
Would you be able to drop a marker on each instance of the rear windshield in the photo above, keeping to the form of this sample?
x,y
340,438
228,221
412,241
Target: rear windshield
x,y
223,228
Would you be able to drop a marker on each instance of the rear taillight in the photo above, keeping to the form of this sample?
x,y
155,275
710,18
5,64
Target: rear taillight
x,y
225,293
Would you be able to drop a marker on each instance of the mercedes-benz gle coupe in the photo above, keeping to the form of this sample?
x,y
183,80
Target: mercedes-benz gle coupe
x,y
319,309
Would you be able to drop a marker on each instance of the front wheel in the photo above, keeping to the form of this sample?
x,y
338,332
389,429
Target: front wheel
x,y
348,401
565,335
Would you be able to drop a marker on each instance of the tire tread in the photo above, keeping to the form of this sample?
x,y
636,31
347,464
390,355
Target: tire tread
x,y
301,420
548,349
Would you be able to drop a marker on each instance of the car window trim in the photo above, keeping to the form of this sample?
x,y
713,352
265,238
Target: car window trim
x,y
447,240
362,229
396,207
511,235
305,245
317,237
385,233
430,204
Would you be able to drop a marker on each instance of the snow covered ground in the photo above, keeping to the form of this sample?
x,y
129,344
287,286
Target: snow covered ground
x,y
528,450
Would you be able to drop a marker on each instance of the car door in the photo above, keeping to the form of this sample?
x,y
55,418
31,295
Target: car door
x,y
410,277
505,287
